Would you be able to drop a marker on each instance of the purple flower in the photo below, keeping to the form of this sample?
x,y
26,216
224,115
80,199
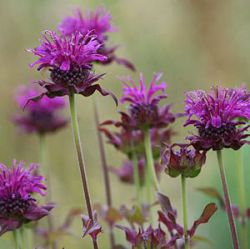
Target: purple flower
x,y
126,172
181,159
220,116
40,116
17,203
69,60
144,110
98,22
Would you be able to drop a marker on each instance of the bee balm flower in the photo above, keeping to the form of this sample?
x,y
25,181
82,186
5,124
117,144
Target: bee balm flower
x,y
40,116
144,109
17,202
69,60
220,117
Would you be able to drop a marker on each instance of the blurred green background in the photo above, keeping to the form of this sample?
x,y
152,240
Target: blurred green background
x,y
196,43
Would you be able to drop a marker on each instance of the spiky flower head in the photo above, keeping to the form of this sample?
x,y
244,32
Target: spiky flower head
x,y
40,116
18,204
98,22
144,109
182,159
69,60
220,116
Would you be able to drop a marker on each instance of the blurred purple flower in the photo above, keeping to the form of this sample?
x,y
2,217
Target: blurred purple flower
x,y
144,110
17,203
39,116
126,171
221,117
98,22
146,238
181,159
69,60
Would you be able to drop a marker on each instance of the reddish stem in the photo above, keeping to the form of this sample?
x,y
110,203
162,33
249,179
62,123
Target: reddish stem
x,y
105,172
227,201
81,163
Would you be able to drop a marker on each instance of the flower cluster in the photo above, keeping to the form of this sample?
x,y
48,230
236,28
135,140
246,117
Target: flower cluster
x,y
144,110
41,116
18,205
98,22
220,117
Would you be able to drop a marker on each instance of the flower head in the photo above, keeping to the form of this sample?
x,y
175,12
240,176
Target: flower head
x,y
98,22
179,159
217,116
41,116
144,110
69,60
17,202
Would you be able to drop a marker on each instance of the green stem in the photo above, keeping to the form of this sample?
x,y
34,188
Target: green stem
x,y
150,160
136,175
81,162
227,201
46,171
184,210
242,200
18,239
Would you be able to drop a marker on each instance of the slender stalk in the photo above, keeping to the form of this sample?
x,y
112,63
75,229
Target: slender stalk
x,y
184,210
105,172
81,162
46,170
227,201
149,157
242,200
136,175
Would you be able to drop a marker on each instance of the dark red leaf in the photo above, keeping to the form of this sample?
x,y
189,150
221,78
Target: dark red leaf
x,y
207,213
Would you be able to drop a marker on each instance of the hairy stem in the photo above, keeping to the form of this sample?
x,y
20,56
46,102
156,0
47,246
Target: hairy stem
x,y
81,162
184,210
242,200
227,201
105,171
